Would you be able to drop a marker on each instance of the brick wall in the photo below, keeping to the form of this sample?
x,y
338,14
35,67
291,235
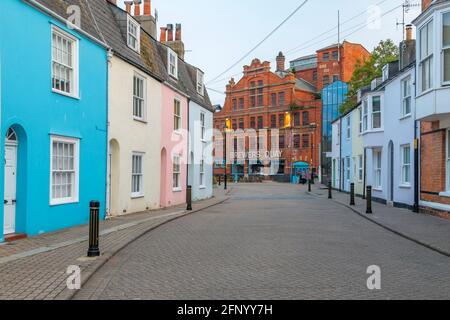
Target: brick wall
x,y
426,4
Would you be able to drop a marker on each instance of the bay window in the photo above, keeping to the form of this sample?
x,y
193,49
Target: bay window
x,y
406,165
446,46
64,174
448,160
426,56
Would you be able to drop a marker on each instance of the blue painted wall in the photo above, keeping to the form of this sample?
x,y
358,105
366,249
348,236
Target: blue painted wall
x,y
35,112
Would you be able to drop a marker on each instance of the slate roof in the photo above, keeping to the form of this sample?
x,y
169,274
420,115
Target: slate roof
x,y
99,19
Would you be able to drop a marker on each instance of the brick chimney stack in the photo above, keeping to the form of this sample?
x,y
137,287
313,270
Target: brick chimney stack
x,y
176,44
281,62
170,32
409,30
147,7
407,48
163,37
178,32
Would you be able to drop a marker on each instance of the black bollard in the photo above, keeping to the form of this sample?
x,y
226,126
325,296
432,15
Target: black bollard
x,y
189,198
309,185
330,195
369,200
220,180
94,229
352,194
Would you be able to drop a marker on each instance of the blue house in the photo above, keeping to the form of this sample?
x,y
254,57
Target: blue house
x,y
53,100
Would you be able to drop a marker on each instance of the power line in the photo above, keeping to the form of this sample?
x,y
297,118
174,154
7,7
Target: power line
x,y
262,41
299,48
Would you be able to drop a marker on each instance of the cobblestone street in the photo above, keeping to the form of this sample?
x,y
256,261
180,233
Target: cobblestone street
x,y
271,241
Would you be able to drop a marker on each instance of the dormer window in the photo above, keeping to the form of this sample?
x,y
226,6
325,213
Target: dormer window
x,y
172,61
200,83
385,73
133,34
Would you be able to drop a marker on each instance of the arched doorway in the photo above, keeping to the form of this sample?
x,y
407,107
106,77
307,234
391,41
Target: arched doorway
x,y
391,171
113,177
10,179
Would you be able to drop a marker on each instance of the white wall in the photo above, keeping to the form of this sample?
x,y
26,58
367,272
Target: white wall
x,y
196,145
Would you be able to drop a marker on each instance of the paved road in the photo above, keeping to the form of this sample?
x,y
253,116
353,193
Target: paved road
x,y
271,241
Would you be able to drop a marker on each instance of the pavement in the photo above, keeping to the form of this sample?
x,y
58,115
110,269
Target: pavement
x,y
276,241
427,230
35,268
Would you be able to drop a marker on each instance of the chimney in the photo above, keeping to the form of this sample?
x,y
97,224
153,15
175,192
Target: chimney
x,y
137,8
281,62
163,37
426,4
147,8
170,32
407,49
178,32
128,5
409,32
176,45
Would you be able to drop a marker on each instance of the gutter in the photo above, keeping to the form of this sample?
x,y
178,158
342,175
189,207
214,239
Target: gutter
x,y
64,20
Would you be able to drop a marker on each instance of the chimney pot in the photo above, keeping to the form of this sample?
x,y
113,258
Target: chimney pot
x,y
178,32
128,5
409,30
137,7
170,32
163,37
147,8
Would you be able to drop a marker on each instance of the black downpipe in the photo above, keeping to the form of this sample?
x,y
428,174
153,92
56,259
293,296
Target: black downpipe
x,y
365,173
416,169
341,169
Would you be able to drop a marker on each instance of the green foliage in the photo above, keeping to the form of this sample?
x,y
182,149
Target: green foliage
x,y
370,69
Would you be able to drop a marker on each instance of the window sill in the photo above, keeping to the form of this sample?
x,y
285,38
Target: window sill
x,y
406,116
140,120
202,187
68,95
55,203
424,93
137,196
177,189
178,132
405,186
377,189
445,194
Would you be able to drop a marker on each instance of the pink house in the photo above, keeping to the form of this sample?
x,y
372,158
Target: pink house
x,y
174,120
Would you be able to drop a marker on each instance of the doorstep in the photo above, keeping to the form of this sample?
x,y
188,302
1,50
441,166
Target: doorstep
x,y
14,237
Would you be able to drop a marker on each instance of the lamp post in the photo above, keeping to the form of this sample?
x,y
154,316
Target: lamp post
x,y
225,154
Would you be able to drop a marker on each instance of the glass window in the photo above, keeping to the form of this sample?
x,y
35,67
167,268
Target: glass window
x,y
202,172
406,164
296,119
173,63
282,99
426,56
253,123
137,176
326,56
177,172
200,83
133,37
64,170
234,104
305,116
241,103
297,141
282,143
281,120
348,125
377,169
446,45
273,121
273,99
260,122
203,125
326,80
376,112
305,141
360,120
347,168
64,57
335,55
448,160
406,97
176,115
360,168
139,98
241,123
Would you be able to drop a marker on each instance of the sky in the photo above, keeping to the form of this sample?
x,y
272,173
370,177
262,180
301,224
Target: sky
x,y
218,33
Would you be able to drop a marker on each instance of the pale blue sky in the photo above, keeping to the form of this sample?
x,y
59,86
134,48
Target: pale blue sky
x,y
220,32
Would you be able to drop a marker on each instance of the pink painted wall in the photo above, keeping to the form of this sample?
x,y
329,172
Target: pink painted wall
x,y
173,143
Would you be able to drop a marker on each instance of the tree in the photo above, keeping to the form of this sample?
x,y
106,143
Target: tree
x,y
370,69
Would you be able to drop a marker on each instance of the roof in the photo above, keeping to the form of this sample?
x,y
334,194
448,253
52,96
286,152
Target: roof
x,y
305,86
305,58
59,8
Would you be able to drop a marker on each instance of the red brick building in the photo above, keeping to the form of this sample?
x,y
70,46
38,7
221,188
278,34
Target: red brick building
x,y
285,113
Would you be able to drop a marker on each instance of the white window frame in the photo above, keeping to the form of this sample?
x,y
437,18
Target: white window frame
x,y
348,124
74,67
406,96
444,49
76,170
177,117
202,126
142,99
378,112
202,173
448,162
360,113
428,59
360,168
201,83
347,169
172,67
405,167
136,37
377,169
139,193
176,161
366,115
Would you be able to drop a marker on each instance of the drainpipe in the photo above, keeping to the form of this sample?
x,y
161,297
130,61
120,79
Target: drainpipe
x,y
365,173
416,170
341,167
